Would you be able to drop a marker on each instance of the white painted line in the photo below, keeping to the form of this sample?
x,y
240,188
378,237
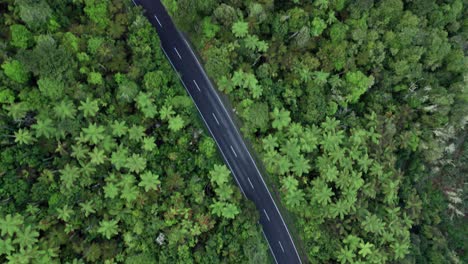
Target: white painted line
x,y
196,84
178,54
266,215
134,2
159,22
250,183
248,152
206,124
281,246
268,242
233,151
216,119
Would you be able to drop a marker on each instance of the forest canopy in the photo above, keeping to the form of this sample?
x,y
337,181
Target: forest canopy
x,y
356,108
103,158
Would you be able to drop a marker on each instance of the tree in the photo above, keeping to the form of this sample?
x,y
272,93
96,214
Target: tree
x,y
295,199
136,133
176,123
166,112
68,175
10,224
108,229
89,107
26,237
65,110
119,128
97,156
230,211
281,118
129,193
300,166
240,29
6,247
94,133
111,190
15,71
366,249
23,137
346,255
64,213
149,181
357,84
145,105
34,13
224,192
97,12
219,174
135,163
148,144
51,88
87,208
20,36
119,157
318,26
95,78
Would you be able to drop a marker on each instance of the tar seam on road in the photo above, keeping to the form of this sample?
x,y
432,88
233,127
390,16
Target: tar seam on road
x,y
233,151
255,165
216,119
196,84
266,215
206,124
158,21
178,54
250,183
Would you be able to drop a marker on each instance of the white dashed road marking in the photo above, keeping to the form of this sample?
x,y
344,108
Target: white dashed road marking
x,y
159,22
266,215
196,84
178,54
281,246
250,183
233,151
216,119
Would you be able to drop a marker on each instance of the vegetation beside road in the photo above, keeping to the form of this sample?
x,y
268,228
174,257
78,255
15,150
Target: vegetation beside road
x,y
358,109
103,158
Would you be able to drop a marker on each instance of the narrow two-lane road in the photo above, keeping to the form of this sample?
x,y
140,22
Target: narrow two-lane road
x,y
219,122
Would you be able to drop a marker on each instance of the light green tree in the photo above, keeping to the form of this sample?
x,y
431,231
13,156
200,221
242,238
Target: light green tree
x,y
281,118
94,133
149,181
108,229
10,224
24,137
89,107
240,29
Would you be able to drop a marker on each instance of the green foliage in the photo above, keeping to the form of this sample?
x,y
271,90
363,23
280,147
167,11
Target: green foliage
x,y
23,137
20,36
357,109
89,107
240,29
363,120
10,224
280,118
15,71
51,88
108,229
149,181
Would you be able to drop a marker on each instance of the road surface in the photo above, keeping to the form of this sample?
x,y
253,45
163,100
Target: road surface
x,y
219,122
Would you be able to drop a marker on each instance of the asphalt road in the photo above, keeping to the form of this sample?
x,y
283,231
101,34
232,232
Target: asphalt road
x,y
219,122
